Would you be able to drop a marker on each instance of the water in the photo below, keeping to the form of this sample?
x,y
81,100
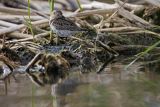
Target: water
x,y
115,88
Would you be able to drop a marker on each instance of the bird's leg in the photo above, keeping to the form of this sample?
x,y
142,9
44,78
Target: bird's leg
x,y
51,36
8,79
14,77
57,40
6,86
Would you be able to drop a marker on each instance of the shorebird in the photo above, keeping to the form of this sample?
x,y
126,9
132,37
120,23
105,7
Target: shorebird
x,y
62,26
55,67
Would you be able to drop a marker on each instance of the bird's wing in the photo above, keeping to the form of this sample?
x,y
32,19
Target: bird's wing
x,y
65,24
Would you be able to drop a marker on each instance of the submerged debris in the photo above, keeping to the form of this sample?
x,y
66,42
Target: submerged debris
x,y
10,54
88,62
56,67
6,70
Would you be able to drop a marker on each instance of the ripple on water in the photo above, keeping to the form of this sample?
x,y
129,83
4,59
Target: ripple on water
x,y
115,87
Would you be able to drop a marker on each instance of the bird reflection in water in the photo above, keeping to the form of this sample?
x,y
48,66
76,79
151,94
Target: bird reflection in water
x,y
59,91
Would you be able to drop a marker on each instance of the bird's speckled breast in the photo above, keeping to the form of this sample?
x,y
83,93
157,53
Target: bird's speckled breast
x,y
64,33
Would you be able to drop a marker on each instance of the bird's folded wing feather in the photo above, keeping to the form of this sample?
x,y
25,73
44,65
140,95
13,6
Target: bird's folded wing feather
x,y
65,24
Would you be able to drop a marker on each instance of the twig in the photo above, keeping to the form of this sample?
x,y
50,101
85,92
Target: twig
x,y
81,40
123,48
113,14
120,29
132,7
154,34
105,64
32,62
107,48
31,76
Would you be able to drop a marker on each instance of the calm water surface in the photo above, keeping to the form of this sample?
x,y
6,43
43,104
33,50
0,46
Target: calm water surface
x,y
115,87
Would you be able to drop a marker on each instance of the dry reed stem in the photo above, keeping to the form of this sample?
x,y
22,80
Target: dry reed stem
x,y
14,11
7,24
18,27
33,61
17,35
30,37
120,29
19,17
135,19
91,12
131,47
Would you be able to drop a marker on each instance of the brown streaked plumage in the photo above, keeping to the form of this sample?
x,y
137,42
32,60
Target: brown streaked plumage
x,y
63,26
56,67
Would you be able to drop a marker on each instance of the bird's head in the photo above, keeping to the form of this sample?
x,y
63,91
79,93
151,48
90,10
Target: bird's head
x,y
56,14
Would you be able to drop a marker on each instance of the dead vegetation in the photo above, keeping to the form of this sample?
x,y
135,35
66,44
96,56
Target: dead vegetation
x,y
114,30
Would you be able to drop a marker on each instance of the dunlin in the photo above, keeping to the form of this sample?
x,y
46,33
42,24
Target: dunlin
x,y
62,26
